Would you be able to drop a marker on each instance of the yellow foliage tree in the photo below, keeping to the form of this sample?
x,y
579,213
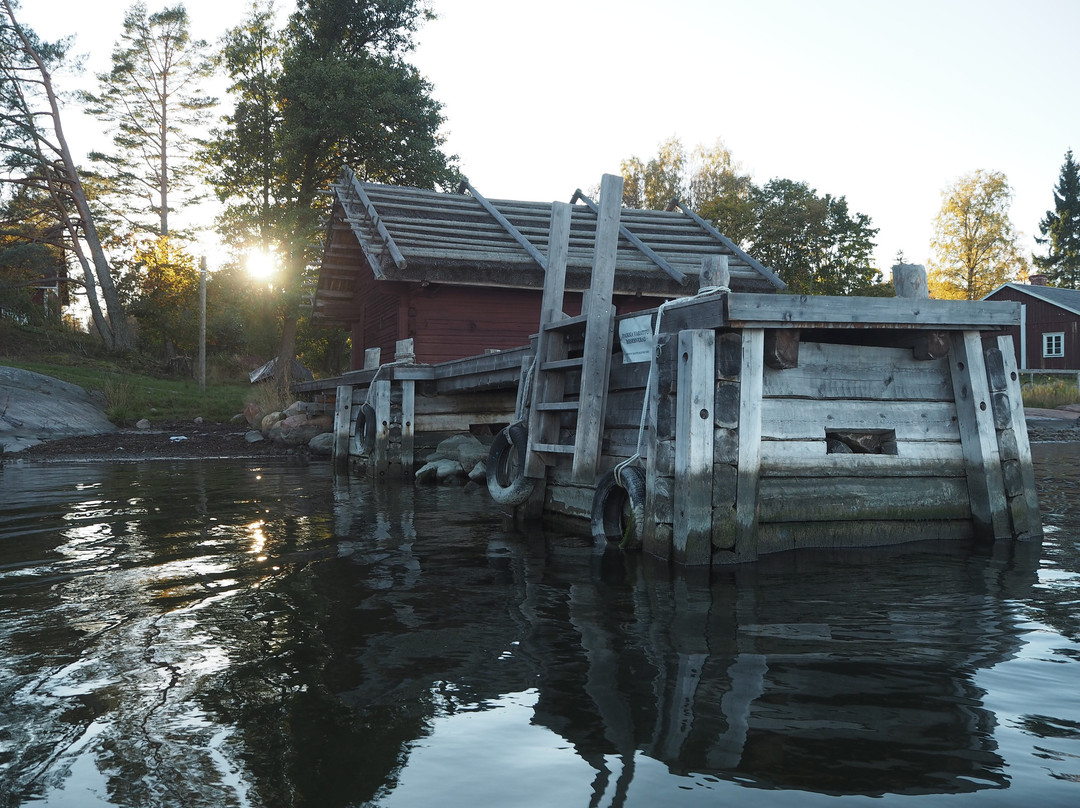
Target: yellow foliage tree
x,y
974,249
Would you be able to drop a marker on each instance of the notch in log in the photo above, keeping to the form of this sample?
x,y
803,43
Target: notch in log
x,y
782,348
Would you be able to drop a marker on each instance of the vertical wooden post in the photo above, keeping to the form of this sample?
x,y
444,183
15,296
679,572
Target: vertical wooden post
x,y
372,357
975,418
405,352
909,280
600,325
380,402
657,530
692,539
1023,505
750,392
342,422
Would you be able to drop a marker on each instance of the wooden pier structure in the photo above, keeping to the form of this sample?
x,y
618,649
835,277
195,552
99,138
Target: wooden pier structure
x,y
725,424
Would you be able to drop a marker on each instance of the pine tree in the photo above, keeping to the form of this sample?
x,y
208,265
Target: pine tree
x,y
1061,230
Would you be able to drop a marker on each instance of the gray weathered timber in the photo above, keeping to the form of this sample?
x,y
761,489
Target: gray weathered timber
x,y
373,216
909,280
692,537
792,311
657,531
975,419
876,498
1023,504
778,537
548,385
797,419
598,333
750,424
827,371
343,422
380,403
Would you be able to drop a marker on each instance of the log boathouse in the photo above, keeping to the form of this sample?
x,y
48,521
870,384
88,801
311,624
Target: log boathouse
x,y
640,379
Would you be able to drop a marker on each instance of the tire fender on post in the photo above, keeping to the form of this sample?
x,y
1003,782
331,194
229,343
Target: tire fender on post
x,y
366,428
506,478
618,508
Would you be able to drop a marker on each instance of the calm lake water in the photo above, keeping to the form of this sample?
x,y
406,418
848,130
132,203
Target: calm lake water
x,y
230,634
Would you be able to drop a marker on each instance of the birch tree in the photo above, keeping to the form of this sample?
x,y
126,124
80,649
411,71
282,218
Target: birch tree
x,y
974,248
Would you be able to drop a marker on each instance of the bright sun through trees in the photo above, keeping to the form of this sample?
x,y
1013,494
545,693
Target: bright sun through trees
x,y
261,264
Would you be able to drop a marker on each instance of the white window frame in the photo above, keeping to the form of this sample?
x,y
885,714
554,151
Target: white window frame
x,y
1053,344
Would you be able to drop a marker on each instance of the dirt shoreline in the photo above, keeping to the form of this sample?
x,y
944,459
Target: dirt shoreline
x,y
162,441
191,441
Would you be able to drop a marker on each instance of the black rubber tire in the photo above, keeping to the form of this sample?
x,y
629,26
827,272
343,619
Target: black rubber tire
x,y
366,428
506,478
618,509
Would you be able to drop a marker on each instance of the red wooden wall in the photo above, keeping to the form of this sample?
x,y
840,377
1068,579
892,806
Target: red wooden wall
x,y
451,322
1040,318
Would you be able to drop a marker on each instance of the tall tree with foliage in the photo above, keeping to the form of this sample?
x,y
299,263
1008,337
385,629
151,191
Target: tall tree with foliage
x,y
36,157
154,99
974,248
814,243
1060,229
166,296
332,88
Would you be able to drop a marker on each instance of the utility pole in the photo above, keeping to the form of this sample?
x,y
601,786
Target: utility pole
x,y
202,324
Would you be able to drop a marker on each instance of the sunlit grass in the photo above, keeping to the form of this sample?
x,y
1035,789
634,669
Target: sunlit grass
x,y
126,397
1048,393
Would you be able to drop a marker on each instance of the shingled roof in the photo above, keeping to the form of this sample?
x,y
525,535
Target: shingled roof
x,y
412,234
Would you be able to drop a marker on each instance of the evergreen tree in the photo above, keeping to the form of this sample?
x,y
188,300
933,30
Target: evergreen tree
x,y
153,98
1061,230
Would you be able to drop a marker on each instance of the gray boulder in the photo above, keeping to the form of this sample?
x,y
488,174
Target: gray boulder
x,y
36,408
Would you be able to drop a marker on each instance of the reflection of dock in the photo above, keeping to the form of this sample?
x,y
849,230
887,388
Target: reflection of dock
x,y
724,426
849,673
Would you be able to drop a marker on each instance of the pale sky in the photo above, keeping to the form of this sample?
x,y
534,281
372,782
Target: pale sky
x,y
884,103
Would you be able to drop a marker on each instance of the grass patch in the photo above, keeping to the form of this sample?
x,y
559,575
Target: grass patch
x,y
129,396
1048,392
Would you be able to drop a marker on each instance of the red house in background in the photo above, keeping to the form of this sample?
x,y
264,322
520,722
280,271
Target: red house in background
x,y
1048,337
463,276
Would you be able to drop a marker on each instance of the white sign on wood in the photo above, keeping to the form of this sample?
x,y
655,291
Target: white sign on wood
x,y
636,338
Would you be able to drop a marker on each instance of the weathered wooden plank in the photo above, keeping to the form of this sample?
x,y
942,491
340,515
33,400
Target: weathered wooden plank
x,y
692,538
976,423
799,419
343,421
549,385
460,421
495,401
808,311
828,371
794,499
933,458
408,425
380,402
783,536
598,333
1027,520
750,432
656,535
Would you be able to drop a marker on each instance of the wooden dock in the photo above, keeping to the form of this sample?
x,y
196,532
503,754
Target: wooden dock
x,y
717,428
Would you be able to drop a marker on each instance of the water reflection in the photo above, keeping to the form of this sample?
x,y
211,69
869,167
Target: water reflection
x,y
226,634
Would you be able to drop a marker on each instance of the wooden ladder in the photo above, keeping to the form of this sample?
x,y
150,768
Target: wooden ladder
x,y
553,362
